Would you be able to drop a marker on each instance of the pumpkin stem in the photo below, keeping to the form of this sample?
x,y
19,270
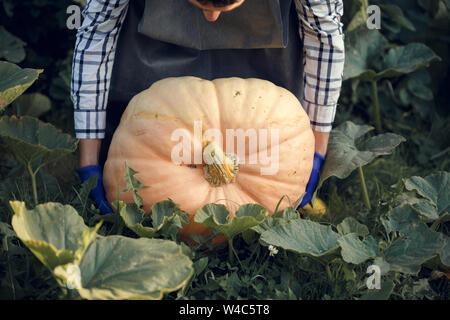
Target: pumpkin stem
x,y
220,168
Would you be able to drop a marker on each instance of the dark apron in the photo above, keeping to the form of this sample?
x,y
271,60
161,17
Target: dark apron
x,y
171,38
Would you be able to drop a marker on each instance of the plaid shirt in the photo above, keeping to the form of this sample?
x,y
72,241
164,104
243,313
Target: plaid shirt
x,y
323,59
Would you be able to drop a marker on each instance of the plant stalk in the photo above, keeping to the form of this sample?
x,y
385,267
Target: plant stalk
x,y
376,107
230,250
33,184
364,187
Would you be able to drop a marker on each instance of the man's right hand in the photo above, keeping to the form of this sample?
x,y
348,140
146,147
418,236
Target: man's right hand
x,y
89,150
98,193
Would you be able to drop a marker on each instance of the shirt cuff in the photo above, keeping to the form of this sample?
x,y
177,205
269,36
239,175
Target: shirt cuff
x,y
90,124
320,116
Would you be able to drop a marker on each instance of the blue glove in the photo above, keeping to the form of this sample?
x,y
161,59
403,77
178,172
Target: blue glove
x,y
98,193
313,179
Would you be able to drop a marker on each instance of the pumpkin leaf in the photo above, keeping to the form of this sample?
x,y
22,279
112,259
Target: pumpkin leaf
x,y
117,267
217,217
351,225
11,47
166,219
387,287
278,218
406,59
436,189
33,142
358,9
303,237
362,47
133,184
356,251
408,253
33,105
55,233
343,154
365,58
14,81
402,219
395,13
445,252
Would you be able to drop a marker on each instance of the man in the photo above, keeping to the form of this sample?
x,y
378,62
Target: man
x,y
297,44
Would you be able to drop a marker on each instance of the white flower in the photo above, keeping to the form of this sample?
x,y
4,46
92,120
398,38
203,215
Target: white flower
x,y
273,250
73,273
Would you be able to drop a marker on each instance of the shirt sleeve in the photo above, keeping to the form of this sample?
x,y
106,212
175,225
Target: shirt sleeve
x,y
92,65
323,57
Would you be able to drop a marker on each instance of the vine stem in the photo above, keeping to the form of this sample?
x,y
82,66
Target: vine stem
x,y
230,250
33,183
376,106
364,187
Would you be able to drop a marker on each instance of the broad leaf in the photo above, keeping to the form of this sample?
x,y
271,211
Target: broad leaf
x,y
356,251
11,47
395,13
14,81
365,58
343,154
402,218
33,140
217,217
303,237
55,233
409,252
33,105
362,47
406,59
351,225
166,216
435,188
118,267
278,218
387,287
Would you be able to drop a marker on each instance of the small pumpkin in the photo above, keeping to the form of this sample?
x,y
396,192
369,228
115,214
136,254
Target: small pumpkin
x,y
203,112
317,209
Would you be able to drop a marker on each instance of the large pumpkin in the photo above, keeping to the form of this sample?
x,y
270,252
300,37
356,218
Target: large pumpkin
x,y
174,111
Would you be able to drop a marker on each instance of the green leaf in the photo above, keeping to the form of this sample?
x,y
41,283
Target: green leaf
x,y
279,218
445,252
343,155
356,251
387,287
435,188
395,13
303,237
351,225
133,184
14,81
358,13
406,59
216,217
32,140
365,58
402,218
362,47
11,47
33,105
55,233
166,216
117,267
409,252
420,90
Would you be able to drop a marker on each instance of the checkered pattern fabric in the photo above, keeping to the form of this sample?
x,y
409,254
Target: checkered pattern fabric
x,y
323,46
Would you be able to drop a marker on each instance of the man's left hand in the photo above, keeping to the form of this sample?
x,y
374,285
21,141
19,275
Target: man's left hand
x,y
313,179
